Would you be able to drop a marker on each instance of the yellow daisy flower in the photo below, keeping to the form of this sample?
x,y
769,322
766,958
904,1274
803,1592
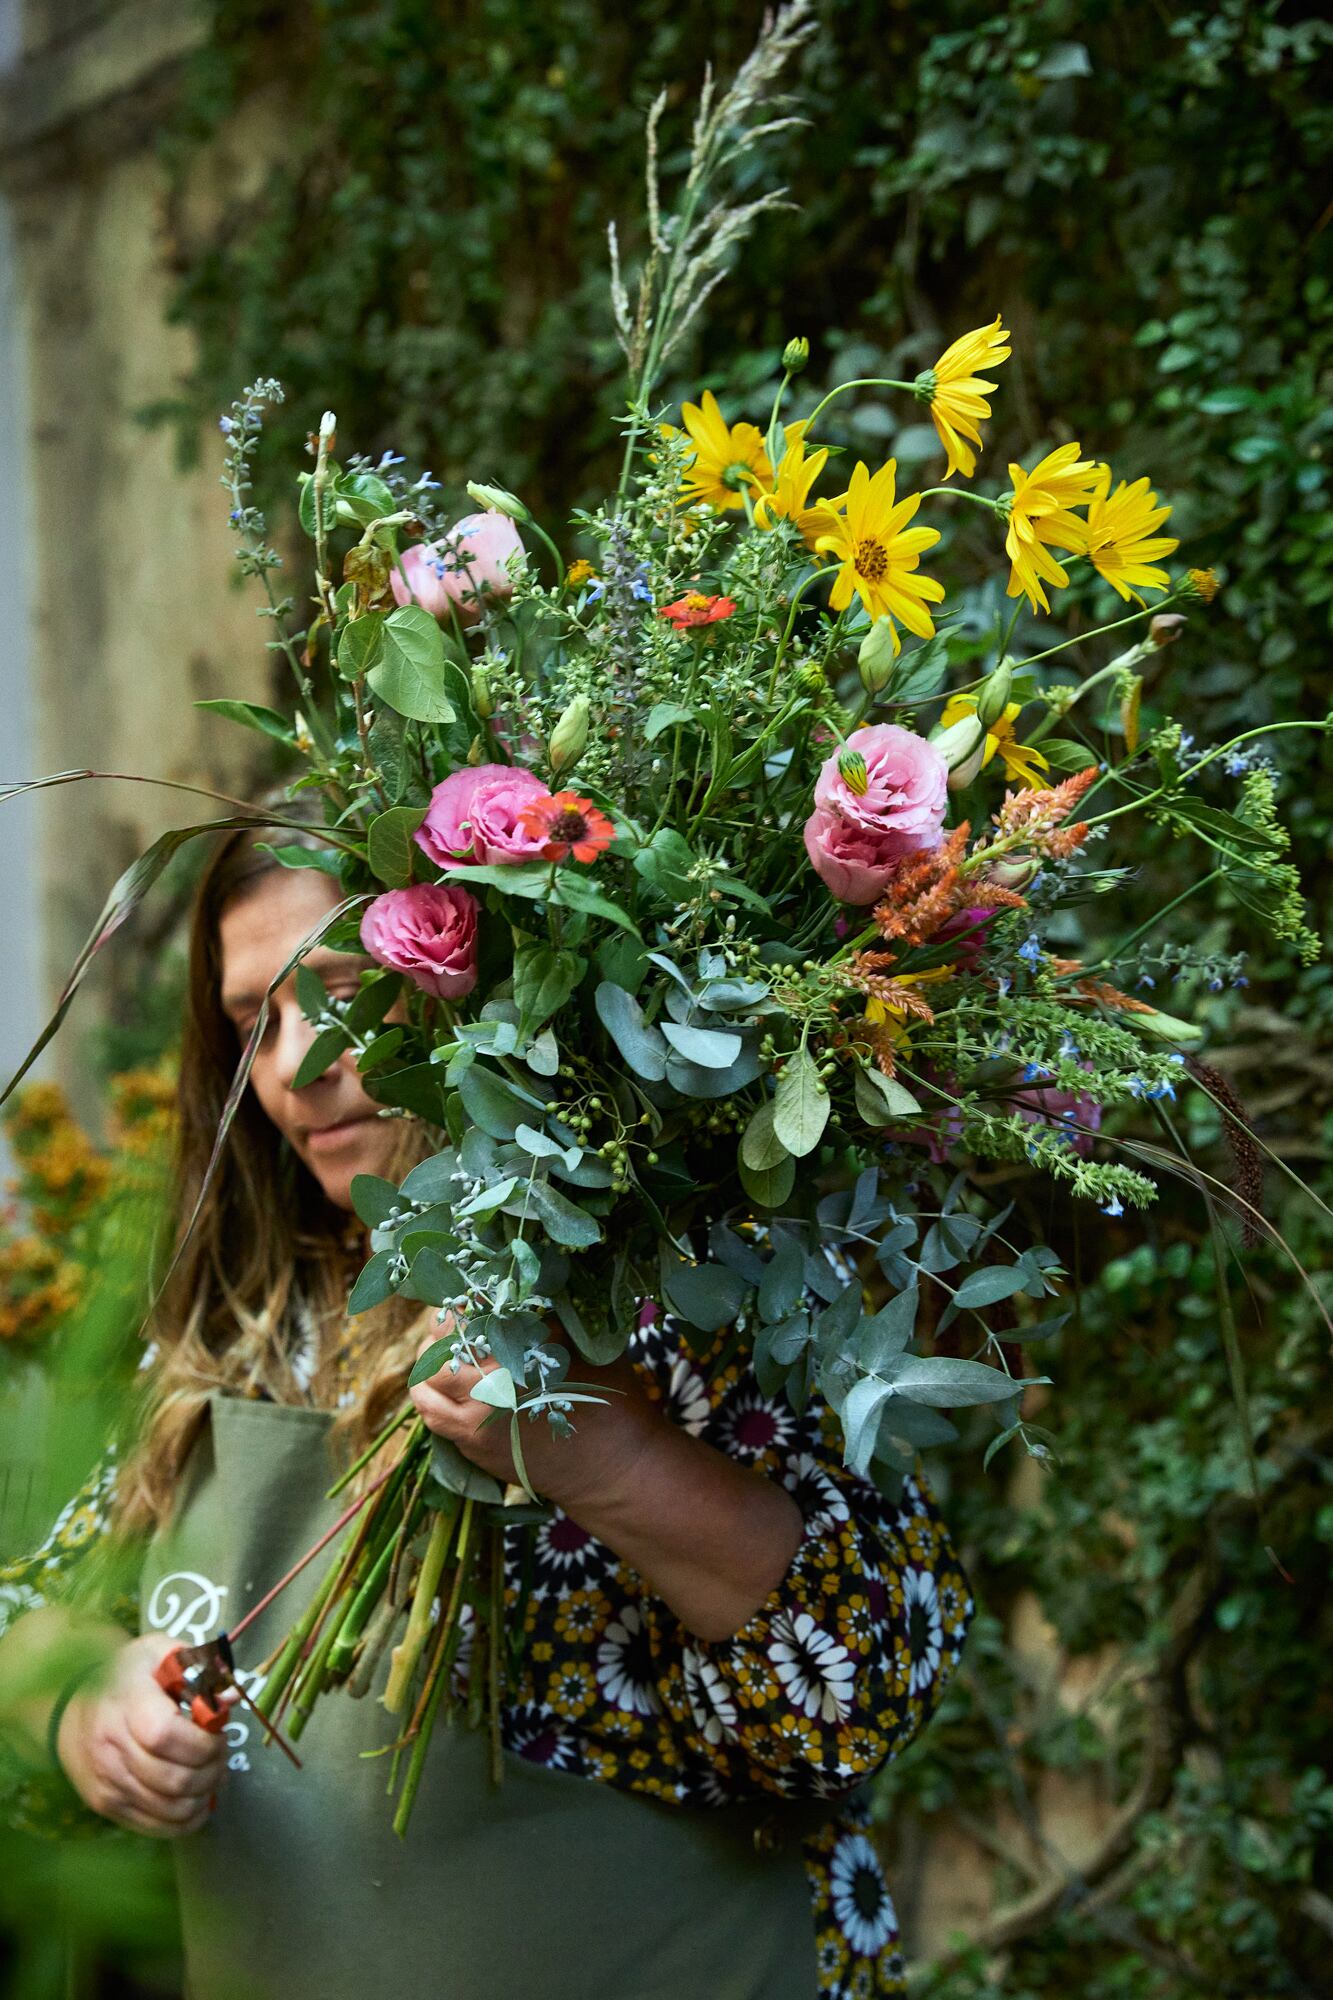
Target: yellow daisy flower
x,y
1040,520
879,554
1121,544
790,497
956,392
1021,760
726,457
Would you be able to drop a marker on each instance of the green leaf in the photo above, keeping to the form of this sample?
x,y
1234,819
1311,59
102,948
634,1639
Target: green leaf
x,y
709,1295
569,1226
323,1052
860,1422
1222,825
490,1101
783,1284
986,1288
662,715
1065,755
769,1187
711,1048
374,1199
946,1383
496,1388
800,1105
643,1047
889,1331
529,879
761,1148
458,1474
410,672
575,892
665,863
362,645
430,1361
919,673
322,858
390,847
374,1284
369,1006
253,715
882,1100
544,978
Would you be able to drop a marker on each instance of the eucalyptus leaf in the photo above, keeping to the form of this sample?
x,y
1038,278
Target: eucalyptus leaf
x,y
643,1047
711,1048
800,1105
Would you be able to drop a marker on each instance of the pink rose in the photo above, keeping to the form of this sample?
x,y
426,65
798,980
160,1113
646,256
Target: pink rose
x,y
429,932
856,840
460,570
474,816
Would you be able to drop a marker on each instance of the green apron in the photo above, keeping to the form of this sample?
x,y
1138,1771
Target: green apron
x,y
546,1886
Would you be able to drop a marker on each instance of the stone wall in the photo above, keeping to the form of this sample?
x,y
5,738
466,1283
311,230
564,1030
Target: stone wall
x,y
129,598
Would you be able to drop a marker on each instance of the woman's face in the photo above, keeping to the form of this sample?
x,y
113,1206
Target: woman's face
x,y
331,1123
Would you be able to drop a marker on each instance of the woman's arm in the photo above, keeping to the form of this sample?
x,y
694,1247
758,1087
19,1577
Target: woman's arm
x,y
711,1538
129,1754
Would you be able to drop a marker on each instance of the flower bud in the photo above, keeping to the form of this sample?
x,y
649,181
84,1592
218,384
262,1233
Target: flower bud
x,y
499,500
993,695
1013,871
1200,583
569,738
1166,628
328,429
795,355
852,771
962,746
876,657
482,699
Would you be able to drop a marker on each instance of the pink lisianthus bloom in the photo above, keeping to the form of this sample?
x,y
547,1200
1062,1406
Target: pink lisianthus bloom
x,y
461,570
428,931
476,814
856,839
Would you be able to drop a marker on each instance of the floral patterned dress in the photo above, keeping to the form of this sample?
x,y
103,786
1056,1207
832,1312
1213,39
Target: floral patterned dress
x,y
836,1671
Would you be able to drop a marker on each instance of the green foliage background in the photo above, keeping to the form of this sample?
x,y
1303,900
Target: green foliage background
x,y
1144,192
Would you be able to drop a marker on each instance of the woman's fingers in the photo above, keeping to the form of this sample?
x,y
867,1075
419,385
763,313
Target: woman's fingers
x,y
170,1782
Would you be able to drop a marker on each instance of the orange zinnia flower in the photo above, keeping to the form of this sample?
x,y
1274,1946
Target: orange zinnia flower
x,y
573,826
696,608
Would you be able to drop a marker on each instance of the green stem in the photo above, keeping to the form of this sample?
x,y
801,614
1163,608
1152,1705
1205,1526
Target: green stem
x,y
815,576
408,1653
862,382
1099,631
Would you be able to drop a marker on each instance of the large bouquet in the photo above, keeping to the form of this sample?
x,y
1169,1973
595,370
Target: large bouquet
x,y
729,879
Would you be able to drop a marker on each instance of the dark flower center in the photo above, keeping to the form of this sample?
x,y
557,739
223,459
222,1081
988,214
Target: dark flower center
x,y
871,561
569,826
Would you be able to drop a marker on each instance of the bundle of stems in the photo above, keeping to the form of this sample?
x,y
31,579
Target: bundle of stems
x,y
412,1556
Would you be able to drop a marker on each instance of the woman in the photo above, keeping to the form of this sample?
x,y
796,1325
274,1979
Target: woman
x,y
723,1630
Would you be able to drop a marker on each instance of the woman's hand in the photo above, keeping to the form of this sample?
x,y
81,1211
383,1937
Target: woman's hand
x,y
132,1755
712,1538
601,1454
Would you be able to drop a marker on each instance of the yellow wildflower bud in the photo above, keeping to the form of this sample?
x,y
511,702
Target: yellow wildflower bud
x,y
795,355
993,696
1201,583
810,676
499,499
875,659
852,771
578,572
569,738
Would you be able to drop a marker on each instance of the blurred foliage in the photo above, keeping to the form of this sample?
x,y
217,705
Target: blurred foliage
x,y
1143,191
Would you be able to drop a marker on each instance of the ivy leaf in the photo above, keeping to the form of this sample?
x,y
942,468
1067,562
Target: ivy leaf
x,y
800,1105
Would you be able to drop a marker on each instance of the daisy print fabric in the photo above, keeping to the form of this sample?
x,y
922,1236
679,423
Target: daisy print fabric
x,y
836,1671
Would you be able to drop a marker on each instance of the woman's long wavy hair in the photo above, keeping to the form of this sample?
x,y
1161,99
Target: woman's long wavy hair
x,y
271,1258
